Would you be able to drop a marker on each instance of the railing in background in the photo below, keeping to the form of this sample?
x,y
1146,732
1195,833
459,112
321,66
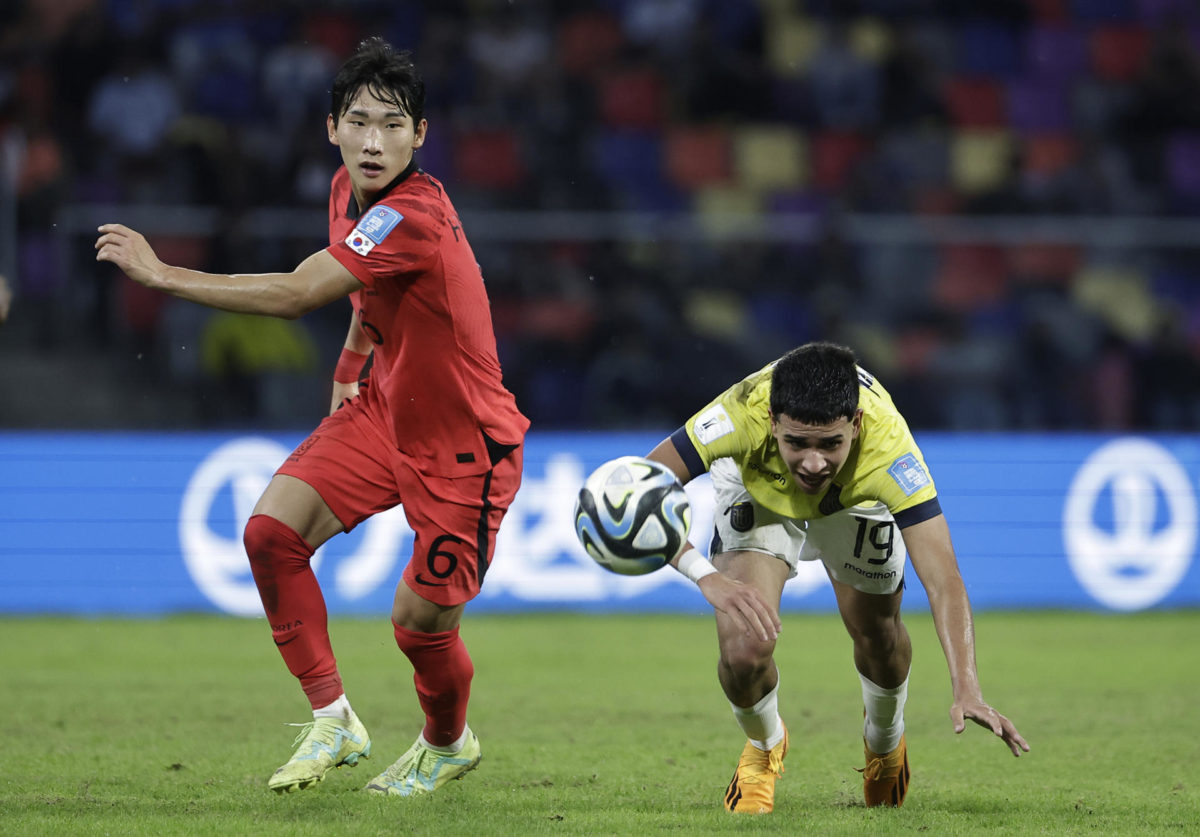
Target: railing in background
x,y
973,322
9,157
782,227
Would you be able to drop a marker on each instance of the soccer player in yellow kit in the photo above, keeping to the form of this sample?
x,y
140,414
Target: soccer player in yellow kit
x,y
810,460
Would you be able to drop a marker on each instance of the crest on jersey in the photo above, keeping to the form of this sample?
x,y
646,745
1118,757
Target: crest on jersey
x,y
372,229
741,516
908,474
712,424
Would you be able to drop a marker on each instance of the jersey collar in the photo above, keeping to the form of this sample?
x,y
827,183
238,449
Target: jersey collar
x,y
352,209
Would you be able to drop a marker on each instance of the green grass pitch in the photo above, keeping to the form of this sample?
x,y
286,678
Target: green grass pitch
x,y
595,725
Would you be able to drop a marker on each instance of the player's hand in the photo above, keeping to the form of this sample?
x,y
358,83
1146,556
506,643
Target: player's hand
x,y
128,250
987,717
340,393
742,602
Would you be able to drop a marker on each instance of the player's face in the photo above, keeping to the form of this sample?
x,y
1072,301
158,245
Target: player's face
x,y
377,141
814,453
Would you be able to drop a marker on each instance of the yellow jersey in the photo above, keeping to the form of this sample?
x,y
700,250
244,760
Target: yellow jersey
x,y
884,465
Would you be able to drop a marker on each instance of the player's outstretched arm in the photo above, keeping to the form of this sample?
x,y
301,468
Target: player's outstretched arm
x,y
741,601
318,280
932,555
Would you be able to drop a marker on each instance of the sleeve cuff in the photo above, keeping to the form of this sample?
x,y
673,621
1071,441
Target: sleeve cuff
x,y
687,452
919,513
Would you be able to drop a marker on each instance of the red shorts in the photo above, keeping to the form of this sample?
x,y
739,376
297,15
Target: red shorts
x,y
358,473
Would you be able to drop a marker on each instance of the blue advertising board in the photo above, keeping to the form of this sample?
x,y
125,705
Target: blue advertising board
x,y
146,524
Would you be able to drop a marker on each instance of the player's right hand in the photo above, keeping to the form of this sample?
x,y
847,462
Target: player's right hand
x,y
743,603
977,710
128,250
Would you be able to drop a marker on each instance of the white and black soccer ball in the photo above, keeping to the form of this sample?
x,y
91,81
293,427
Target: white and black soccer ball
x,y
632,515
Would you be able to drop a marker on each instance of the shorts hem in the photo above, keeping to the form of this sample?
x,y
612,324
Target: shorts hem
x,y
426,593
283,471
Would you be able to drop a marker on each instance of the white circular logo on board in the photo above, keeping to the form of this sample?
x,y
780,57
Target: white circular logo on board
x,y
1143,554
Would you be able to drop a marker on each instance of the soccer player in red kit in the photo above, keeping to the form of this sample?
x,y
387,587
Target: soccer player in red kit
x,y
430,427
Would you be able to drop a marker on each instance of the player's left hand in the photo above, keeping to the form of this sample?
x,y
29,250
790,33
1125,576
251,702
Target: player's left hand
x,y
128,250
342,391
979,712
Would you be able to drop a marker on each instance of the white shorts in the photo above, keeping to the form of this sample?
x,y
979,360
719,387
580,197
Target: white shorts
x,y
860,546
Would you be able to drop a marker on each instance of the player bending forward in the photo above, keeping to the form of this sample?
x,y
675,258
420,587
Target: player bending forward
x,y
432,428
811,461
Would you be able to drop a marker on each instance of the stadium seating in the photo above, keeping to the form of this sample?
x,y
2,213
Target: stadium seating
x,y
824,115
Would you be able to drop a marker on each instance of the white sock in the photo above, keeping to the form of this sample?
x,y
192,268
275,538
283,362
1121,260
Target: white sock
x,y
340,708
884,723
761,722
456,747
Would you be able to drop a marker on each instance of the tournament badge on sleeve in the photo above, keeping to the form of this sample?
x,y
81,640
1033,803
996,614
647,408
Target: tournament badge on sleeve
x,y
372,229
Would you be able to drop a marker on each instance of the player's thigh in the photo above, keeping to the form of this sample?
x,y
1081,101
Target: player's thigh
x,y
299,506
867,616
767,574
455,522
348,464
753,545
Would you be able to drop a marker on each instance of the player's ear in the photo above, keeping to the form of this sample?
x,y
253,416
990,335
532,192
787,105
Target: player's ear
x,y
857,422
419,133
331,129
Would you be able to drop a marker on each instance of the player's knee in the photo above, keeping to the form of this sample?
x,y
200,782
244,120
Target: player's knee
x,y
747,661
257,537
269,542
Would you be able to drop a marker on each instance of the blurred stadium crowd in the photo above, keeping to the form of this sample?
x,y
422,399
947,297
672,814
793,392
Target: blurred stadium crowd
x,y
663,194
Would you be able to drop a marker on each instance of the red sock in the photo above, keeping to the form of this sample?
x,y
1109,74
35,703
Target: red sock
x,y
442,672
291,597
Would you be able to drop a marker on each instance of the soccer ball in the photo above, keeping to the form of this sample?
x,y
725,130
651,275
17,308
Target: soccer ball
x,y
632,515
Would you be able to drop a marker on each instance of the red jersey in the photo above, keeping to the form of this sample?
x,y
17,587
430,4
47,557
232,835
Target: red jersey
x,y
435,382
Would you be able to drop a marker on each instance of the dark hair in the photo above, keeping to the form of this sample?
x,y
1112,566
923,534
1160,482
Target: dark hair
x,y
816,383
388,75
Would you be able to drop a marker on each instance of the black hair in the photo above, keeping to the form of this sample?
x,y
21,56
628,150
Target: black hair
x,y
816,383
387,74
